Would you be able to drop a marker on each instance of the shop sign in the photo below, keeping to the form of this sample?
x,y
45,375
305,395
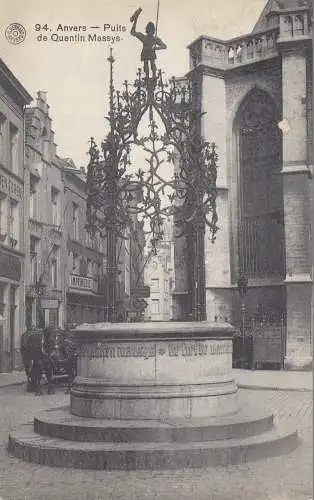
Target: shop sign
x,y
10,187
10,266
49,303
141,291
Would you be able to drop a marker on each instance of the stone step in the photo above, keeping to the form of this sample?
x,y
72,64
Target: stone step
x,y
59,423
25,444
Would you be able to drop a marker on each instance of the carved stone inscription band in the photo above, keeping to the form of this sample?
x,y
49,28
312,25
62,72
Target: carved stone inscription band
x,y
148,350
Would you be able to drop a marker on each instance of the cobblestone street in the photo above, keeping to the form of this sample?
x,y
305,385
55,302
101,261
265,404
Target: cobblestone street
x,y
282,478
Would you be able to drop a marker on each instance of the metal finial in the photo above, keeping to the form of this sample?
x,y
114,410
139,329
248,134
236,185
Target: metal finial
x,y
111,58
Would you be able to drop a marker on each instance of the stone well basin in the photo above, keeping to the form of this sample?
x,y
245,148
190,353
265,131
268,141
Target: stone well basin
x,y
152,396
160,371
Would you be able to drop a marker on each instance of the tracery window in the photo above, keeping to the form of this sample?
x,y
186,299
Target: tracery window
x,y
261,217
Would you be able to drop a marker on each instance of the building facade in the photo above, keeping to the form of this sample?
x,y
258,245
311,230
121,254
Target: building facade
x,y
44,230
256,91
86,275
159,274
65,267
85,255
13,99
52,272
135,265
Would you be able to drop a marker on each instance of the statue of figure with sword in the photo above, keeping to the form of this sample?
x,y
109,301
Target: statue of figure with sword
x,y
151,42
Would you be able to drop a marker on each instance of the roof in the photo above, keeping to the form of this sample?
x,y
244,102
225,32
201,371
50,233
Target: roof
x,y
277,6
69,163
12,85
70,170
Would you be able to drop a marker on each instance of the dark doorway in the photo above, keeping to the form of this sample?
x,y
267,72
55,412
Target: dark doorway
x,y
12,326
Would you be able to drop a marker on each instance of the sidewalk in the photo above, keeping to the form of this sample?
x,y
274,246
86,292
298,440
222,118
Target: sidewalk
x,y
280,380
248,379
13,378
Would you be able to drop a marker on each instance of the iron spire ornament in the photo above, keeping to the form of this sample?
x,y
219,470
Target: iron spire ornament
x,y
118,194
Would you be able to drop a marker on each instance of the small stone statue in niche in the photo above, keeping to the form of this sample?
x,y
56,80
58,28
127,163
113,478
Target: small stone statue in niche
x,y
150,42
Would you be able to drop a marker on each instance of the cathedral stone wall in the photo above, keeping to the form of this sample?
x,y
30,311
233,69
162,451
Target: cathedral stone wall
x,y
270,192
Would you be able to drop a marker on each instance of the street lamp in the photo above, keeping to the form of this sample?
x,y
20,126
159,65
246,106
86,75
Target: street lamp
x,y
39,288
242,289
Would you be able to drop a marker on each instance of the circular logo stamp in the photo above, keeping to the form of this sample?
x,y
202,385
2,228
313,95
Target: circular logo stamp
x,y
15,33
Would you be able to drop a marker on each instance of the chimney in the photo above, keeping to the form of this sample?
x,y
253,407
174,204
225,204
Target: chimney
x,y
42,95
42,100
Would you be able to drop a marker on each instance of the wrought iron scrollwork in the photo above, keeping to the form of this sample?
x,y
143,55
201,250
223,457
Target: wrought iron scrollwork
x,y
192,188
119,195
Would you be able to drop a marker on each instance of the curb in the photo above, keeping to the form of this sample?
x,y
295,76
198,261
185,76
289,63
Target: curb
x,y
275,388
12,384
240,386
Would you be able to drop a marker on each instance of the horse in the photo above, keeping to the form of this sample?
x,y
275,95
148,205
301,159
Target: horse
x,y
36,360
63,354
48,351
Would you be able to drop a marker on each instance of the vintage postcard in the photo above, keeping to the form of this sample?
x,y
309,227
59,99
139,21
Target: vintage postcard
x,y
156,253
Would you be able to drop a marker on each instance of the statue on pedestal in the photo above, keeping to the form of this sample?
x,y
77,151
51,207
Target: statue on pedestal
x,y
150,42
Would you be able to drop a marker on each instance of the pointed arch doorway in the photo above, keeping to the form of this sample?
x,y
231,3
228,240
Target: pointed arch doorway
x,y
260,207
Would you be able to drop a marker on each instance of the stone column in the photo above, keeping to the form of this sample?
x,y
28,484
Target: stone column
x,y
217,255
296,208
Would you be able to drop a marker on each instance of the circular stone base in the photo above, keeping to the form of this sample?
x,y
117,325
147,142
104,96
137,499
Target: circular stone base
x,y
154,371
32,447
93,398
152,396
59,423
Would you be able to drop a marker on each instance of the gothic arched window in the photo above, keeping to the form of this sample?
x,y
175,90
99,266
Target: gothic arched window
x,y
260,225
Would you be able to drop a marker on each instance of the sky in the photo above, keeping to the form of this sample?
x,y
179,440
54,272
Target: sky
x,y
75,74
